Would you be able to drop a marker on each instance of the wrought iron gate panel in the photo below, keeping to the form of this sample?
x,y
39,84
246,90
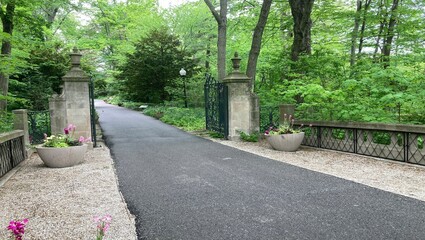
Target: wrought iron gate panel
x,y
216,106
92,113
39,124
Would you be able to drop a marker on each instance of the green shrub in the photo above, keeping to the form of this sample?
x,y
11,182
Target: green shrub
x,y
249,137
190,119
6,122
133,105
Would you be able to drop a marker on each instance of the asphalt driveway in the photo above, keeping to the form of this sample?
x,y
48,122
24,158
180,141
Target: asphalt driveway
x,y
181,186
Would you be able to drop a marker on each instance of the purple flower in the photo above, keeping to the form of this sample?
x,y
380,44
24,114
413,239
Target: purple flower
x,y
17,228
66,131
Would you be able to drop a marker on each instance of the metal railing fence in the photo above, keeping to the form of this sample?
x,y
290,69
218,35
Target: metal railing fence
x,y
390,141
12,150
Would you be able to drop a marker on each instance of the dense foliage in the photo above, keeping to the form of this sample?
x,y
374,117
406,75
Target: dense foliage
x,y
189,119
6,122
361,60
154,67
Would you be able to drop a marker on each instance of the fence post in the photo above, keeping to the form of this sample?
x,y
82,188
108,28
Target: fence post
x,y
21,123
406,146
355,139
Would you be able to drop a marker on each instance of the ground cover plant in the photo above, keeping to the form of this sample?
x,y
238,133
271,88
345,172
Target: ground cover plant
x,y
189,119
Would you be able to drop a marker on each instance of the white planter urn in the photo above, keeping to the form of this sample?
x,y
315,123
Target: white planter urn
x,y
62,157
286,142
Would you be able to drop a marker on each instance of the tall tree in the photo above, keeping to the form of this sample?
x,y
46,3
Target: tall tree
x,y
153,67
256,41
301,13
355,32
389,33
363,28
6,46
221,18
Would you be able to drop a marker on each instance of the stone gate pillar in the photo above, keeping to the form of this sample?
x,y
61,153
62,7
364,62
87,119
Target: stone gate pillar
x,y
243,105
20,122
73,105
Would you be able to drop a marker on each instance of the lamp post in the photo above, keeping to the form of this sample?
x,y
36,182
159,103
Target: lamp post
x,y
183,74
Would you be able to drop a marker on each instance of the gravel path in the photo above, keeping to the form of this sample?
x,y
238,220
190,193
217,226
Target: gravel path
x,y
57,200
60,203
396,177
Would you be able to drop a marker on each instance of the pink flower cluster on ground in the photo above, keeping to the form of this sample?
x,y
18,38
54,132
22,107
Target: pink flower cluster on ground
x,y
103,224
18,228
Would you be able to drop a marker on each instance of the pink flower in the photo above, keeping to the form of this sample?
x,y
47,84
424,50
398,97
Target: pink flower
x,y
71,127
66,131
103,224
17,228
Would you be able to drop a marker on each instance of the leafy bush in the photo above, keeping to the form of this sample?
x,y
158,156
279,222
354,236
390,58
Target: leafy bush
x,y
249,137
190,119
133,105
6,122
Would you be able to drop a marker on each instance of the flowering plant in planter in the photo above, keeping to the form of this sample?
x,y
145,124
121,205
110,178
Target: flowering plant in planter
x,y
287,127
64,140
285,137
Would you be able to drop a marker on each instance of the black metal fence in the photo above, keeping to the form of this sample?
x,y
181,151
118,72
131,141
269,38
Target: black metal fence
x,y
12,150
390,141
39,124
269,117
216,106
93,116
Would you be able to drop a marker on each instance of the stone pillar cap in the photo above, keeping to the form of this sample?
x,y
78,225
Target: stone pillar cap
x,y
236,75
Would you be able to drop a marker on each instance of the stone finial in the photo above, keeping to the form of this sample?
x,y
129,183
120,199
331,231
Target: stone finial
x,y
75,57
236,60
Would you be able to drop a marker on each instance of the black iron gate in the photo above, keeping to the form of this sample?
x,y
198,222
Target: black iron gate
x,y
39,124
92,113
216,106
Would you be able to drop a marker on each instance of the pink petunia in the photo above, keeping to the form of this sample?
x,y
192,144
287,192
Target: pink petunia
x,y
71,127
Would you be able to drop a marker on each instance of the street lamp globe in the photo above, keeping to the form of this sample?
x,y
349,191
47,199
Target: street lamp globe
x,y
182,72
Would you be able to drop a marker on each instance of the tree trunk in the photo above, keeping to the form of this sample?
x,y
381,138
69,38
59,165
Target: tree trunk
x,y
381,30
389,36
6,47
355,33
221,19
51,15
366,7
301,13
256,41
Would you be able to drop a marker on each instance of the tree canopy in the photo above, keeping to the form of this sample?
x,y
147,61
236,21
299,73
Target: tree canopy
x,y
355,60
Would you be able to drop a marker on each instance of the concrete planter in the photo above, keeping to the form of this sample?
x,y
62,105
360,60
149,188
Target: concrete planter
x,y
62,157
286,142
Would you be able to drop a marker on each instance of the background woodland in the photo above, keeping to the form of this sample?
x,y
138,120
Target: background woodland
x,y
353,60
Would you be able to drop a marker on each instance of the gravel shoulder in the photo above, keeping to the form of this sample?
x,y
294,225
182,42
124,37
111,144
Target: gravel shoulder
x,y
396,177
61,203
